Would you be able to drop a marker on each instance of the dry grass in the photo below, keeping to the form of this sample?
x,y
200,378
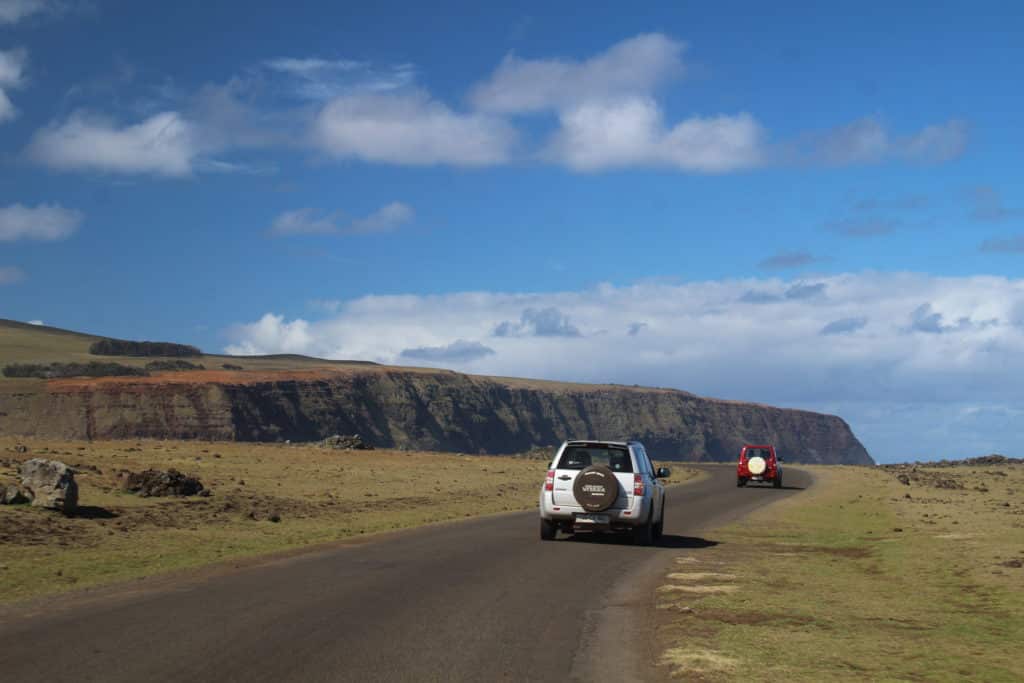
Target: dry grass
x,y
321,495
861,578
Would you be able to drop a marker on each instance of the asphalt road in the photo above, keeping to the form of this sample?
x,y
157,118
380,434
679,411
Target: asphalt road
x,y
478,600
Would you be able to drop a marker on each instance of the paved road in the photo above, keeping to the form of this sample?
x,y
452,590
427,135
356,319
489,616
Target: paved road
x,y
479,600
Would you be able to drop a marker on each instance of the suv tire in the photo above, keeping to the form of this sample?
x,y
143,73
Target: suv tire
x,y
740,481
777,483
644,534
548,530
659,528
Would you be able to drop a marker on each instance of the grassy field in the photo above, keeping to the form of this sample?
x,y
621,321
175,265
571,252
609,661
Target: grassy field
x,y
320,496
860,578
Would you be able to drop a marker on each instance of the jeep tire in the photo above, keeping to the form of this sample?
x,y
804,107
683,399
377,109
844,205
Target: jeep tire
x,y
777,483
740,481
548,530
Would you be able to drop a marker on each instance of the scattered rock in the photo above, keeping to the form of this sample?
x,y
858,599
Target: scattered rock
x,y
1016,564
159,483
12,494
346,443
903,479
51,483
21,448
898,530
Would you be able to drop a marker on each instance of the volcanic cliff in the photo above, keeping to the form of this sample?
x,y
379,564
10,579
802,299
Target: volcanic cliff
x,y
417,409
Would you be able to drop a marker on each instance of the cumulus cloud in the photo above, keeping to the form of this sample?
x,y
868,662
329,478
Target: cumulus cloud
x,y
307,221
459,351
635,66
164,144
926,319
45,222
409,129
796,291
811,353
845,325
36,322
545,322
12,75
11,274
630,132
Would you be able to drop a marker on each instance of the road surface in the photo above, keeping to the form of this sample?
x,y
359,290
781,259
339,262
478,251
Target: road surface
x,y
478,600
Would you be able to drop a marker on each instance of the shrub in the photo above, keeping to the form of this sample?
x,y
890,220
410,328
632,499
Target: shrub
x,y
122,347
58,370
173,365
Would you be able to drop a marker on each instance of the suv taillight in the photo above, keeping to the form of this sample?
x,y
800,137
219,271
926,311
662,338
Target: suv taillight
x,y
549,483
638,485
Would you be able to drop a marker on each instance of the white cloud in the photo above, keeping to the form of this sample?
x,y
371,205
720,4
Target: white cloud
x,y
385,219
272,332
848,348
322,79
11,274
411,129
459,351
36,322
868,141
13,11
12,75
630,68
46,222
631,132
307,221
164,144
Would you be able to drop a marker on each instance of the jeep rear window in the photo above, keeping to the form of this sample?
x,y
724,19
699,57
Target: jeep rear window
x,y
763,452
578,457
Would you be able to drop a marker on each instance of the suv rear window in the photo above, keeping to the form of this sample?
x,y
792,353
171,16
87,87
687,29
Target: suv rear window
x,y
763,452
578,457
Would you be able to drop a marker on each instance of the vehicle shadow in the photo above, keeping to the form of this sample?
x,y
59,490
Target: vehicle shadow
x,y
668,541
784,487
93,512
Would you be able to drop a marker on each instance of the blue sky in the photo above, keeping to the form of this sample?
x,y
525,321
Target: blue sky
x,y
810,207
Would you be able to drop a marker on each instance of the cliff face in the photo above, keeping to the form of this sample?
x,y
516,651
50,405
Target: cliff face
x,y
421,410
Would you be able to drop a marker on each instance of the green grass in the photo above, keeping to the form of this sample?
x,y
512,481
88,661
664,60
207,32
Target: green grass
x,y
826,587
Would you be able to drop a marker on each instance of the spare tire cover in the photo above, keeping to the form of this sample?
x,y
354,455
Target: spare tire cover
x,y
756,465
595,488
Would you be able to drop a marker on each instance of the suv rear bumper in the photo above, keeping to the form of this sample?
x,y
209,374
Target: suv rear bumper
x,y
617,517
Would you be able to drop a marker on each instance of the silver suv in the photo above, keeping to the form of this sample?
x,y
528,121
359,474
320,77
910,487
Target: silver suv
x,y
603,486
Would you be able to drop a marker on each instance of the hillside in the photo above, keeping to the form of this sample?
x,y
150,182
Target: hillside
x,y
275,398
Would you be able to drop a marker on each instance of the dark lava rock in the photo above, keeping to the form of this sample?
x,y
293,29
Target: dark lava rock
x,y
346,443
158,483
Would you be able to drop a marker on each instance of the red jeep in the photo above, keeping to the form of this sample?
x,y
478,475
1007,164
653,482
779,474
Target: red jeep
x,y
759,463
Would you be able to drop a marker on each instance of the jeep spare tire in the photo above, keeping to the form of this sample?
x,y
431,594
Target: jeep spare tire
x,y
595,488
756,465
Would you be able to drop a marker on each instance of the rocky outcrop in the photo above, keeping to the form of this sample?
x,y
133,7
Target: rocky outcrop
x,y
425,410
51,484
346,443
159,483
